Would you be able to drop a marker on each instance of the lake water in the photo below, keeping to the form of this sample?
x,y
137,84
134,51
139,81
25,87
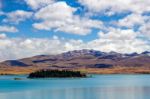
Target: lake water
x,y
95,87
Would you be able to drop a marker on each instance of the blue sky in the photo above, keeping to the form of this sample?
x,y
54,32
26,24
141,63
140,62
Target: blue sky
x,y
26,29
29,25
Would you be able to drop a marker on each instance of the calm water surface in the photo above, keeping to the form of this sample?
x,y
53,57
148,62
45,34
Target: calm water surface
x,y
96,87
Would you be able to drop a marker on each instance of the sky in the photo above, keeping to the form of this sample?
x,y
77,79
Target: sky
x,y
35,27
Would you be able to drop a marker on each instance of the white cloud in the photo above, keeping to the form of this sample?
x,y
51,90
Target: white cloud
x,y
36,4
116,6
132,20
17,16
2,36
138,21
1,13
124,41
118,34
8,29
145,29
14,48
60,17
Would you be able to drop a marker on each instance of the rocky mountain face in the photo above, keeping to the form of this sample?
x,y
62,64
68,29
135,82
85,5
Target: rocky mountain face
x,y
82,59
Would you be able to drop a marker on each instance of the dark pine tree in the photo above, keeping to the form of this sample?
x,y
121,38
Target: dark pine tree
x,y
56,74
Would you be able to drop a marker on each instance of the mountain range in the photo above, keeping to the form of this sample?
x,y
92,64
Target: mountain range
x,y
90,61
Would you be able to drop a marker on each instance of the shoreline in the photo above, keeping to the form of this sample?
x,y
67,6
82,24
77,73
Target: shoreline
x,y
89,72
115,70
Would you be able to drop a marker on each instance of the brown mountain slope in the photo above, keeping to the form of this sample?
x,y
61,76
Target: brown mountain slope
x,y
90,61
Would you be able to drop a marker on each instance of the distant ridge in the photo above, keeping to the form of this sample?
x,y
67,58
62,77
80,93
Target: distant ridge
x,y
81,59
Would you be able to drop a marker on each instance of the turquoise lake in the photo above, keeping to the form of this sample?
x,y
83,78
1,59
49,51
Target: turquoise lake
x,y
95,87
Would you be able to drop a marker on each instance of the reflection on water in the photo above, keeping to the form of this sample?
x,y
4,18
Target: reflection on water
x,y
98,87
82,93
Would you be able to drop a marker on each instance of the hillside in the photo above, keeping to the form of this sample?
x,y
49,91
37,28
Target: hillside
x,y
89,61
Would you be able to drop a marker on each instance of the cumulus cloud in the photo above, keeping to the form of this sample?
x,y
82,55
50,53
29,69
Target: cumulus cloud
x,y
17,16
14,48
145,29
1,13
36,4
5,28
60,17
118,34
2,36
116,6
124,41
132,20
135,21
